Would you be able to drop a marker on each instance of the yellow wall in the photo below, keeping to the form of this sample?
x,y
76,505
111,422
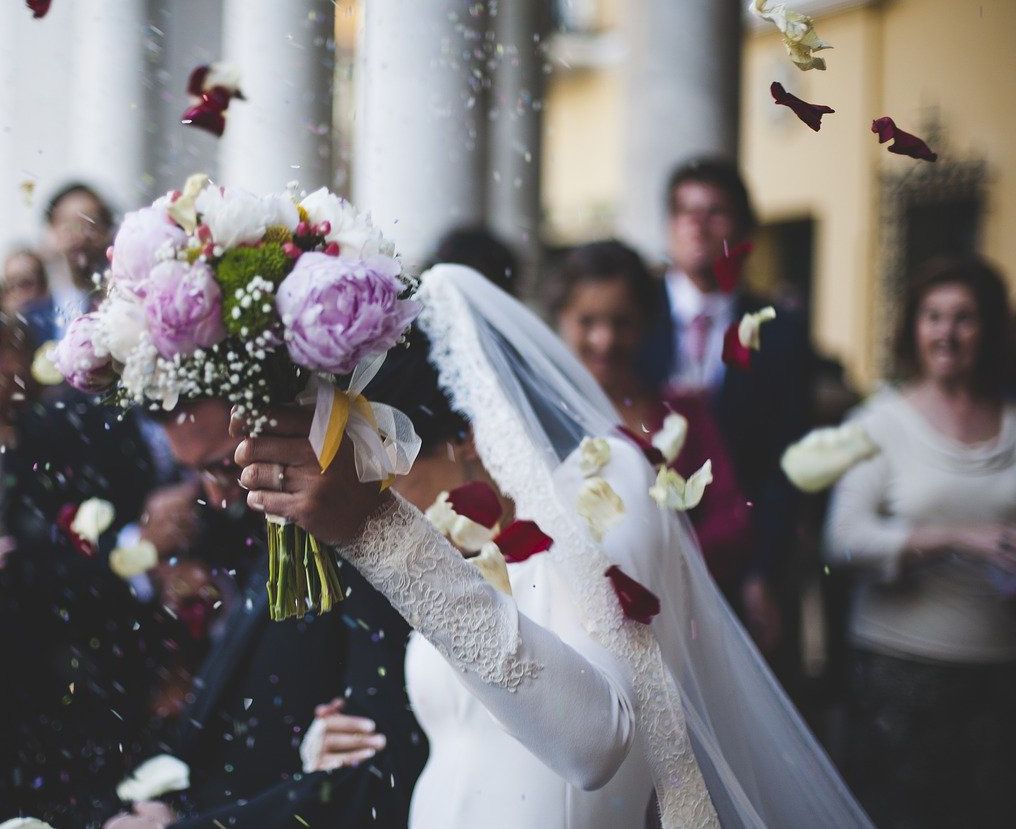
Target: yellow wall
x,y
904,59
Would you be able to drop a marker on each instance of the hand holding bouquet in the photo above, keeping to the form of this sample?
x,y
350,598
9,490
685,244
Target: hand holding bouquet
x,y
260,301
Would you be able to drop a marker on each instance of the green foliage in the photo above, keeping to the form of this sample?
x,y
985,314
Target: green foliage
x,y
235,270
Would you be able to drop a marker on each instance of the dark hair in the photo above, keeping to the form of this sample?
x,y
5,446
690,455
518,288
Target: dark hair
x,y
600,261
72,188
721,174
483,251
409,382
986,284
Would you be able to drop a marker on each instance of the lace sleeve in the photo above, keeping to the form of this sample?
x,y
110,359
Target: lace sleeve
x,y
517,669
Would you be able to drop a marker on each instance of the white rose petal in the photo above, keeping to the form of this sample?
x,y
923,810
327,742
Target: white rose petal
x,y
493,566
128,562
441,514
222,74
599,506
822,456
92,519
750,325
671,437
594,453
44,370
672,491
798,32
154,778
183,210
467,535
25,823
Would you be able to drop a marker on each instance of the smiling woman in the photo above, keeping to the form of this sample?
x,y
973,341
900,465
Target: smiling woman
x,y
929,526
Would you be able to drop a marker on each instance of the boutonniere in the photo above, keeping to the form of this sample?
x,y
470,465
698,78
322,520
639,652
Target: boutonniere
x,y
84,523
743,337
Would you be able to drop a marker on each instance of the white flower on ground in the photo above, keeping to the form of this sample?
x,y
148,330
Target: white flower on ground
x,y
671,437
599,506
594,453
798,32
748,330
672,491
128,562
154,778
493,567
92,519
822,456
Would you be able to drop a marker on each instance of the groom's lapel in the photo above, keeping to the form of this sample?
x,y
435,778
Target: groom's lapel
x,y
245,623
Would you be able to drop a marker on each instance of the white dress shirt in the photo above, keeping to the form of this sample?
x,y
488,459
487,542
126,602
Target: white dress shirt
x,y
686,303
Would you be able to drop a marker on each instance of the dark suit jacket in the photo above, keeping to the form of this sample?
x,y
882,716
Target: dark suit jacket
x,y
255,698
759,412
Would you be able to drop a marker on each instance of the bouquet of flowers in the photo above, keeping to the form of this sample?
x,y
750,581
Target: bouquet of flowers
x,y
260,301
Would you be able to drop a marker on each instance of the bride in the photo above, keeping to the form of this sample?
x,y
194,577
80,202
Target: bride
x,y
550,707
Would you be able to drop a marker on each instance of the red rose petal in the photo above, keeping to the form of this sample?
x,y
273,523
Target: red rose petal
x,y
38,7
196,81
735,353
728,267
811,114
904,143
637,602
522,539
477,501
652,454
205,116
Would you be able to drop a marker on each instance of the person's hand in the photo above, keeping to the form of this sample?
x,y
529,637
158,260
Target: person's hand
x,y
994,543
170,519
761,614
147,814
345,740
284,478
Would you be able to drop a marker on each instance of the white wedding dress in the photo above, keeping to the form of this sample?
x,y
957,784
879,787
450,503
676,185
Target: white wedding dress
x,y
549,708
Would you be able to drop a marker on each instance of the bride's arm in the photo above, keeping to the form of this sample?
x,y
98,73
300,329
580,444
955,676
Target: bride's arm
x,y
576,716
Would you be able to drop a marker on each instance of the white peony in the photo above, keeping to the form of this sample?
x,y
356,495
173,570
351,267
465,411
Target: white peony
x,y
594,453
351,230
671,437
233,216
493,567
154,778
92,519
121,327
599,506
672,491
822,456
280,211
748,330
128,562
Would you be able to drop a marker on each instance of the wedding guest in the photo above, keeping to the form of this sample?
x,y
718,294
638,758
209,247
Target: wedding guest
x,y
484,251
79,226
928,525
760,411
259,687
603,304
24,281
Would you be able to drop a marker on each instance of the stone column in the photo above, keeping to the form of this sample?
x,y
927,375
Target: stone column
x,y
681,100
108,99
513,187
419,146
283,50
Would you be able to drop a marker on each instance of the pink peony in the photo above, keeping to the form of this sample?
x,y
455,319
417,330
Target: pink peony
x,y
135,250
338,310
75,357
183,308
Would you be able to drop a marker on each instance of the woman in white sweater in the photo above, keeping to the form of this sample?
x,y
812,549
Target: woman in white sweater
x,y
929,527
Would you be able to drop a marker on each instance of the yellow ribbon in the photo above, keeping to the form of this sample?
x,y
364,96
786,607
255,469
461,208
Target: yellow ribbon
x,y
338,417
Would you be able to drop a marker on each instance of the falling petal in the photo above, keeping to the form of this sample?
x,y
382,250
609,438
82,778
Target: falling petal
x,y
476,501
904,143
492,565
811,114
797,30
735,353
39,7
594,453
522,539
749,329
636,601
671,437
822,456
